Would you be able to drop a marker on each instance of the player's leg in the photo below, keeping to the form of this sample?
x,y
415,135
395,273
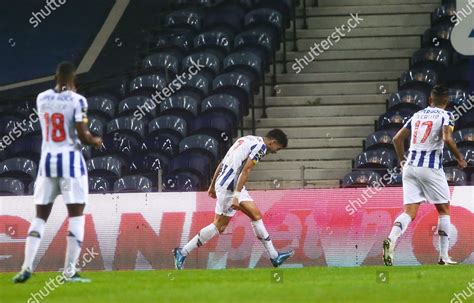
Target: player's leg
x,y
444,226
412,197
46,190
203,236
251,210
75,193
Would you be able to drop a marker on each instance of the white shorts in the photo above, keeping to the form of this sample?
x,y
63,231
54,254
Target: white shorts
x,y
74,190
224,201
423,184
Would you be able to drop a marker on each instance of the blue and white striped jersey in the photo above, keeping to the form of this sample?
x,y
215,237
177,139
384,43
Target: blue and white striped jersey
x,y
60,149
426,148
244,148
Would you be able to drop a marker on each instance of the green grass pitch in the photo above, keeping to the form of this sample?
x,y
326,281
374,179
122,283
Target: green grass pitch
x,y
310,284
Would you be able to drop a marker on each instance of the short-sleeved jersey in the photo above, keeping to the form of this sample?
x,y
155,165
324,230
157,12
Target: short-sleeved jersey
x,y
426,144
244,148
60,150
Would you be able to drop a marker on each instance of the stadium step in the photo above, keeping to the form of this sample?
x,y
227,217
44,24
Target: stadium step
x,y
348,66
322,100
298,122
382,20
307,77
340,111
348,54
344,88
379,8
293,184
318,131
362,32
351,43
292,165
324,3
295,174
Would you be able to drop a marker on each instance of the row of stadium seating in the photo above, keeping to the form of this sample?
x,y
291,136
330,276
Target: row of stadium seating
x,y
435,63
174,141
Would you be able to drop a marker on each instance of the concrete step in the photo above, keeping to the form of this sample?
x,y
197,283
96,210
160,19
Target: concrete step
x,y
293,184
326,142
350,43
399,31
335,111
309,64
330,22
294,165
295,174
369,9
321,132
325,3
345,153
299,122
352,88
306,77
323,100
347,54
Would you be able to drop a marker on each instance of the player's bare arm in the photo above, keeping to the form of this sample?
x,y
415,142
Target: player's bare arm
x,y
449,141
399,144
243,177
212,187
86,137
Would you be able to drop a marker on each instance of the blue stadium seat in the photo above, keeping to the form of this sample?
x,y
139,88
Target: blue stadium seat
x,y
467,118
19,168
147,84
114,88
439,35
196,86
422,79
464,137
434,58
99,185
448,158
148,165
361,178
197,3
162,63
212,64
180,182
96,127
224,104
443,14
107,167
216,125
143,104
168,124
196,164
236,85
11,186
376,159
126,126
409,99
266,19
394,119
200,144
185,107
380,139
171,40
26,147
455,176
101,106
166,144
227,17
248,64
457,96
133,184
219,43
188,19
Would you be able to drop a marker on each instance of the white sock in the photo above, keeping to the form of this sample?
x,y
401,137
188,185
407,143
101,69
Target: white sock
x,y
35,233
444,225
262,234
204,235
399,227
74,242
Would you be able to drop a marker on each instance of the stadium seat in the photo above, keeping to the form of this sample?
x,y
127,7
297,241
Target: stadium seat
x,y
216,125
101,106
108,167
467,118
148,165
422,79
224,104
188,19
219,43
211,63
196,86
408,99
379,139
171,40
197,3
143,104
185,107
26,147
133,184
195,163
162,63
226,17
96,127
248,64
376,159
394,120
464,137
126,126
443,14
457,96
448,158
200,144
166,144
180,182
99,185
168,124
455,176
19,168
11,186
147,85
439,35
434,58
361,178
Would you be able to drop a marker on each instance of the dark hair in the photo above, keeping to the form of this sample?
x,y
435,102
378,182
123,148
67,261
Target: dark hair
x,y
64,72
439,95
279,136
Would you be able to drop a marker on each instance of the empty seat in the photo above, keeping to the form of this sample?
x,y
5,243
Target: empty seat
x,y
166,144
185,19
185,107
394,119
101,106
27,147
148,165
145,105
443,14
11,186
170,40
439,35
195,163
422,79
210,62
380,158
381,138
180,182
435,58
19,168
147,84
133,184
217,126
246,63
464,137
219,43
195,86
201,144
168,124
106,166
164,63
224,104
455,176
96,127
266,19
99,185
126,126
361,178
236,85
408,98
226,17
457,96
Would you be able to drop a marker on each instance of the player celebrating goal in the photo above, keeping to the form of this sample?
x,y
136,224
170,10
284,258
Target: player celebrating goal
x,y
423,176
62,114
228,186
